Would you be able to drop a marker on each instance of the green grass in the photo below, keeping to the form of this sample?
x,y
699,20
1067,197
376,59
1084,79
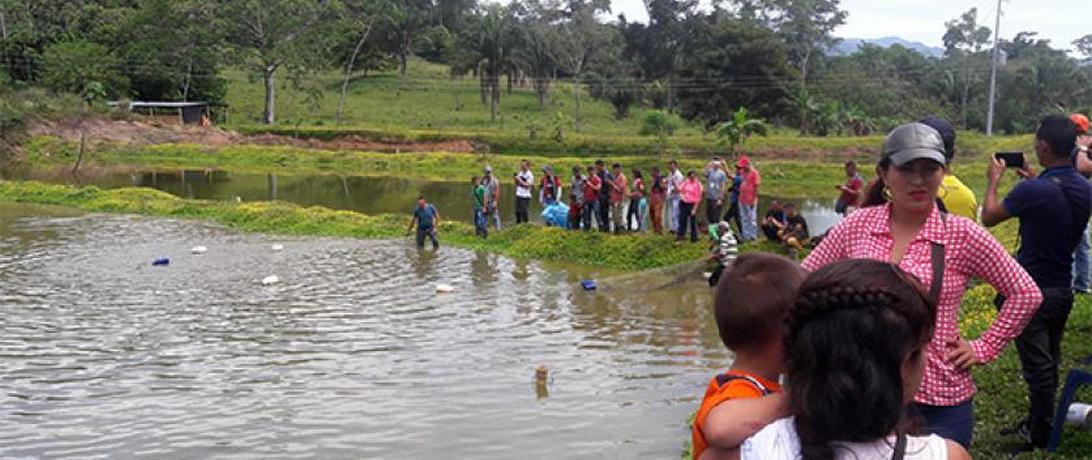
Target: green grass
x,y
429,105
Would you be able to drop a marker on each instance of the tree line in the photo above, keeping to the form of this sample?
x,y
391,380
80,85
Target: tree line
x,y
770,57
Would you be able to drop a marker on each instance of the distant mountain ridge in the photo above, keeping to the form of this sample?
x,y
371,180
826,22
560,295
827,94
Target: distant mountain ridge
x,y
850,45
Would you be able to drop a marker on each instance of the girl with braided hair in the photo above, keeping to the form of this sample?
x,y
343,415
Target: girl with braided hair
x,y
900,224
855,353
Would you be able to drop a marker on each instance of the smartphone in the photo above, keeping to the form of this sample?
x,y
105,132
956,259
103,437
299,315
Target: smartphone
x,y
1011,159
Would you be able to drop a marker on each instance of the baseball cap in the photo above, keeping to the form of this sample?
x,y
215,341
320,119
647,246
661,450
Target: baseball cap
x,y
744,161
913,141
1081,121
488,169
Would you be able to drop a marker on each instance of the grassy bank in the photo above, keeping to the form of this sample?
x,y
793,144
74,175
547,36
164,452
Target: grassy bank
x,y
521,242
783,177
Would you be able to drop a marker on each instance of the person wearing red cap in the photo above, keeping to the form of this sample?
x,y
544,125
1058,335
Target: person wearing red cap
x,y
1082,282
748,199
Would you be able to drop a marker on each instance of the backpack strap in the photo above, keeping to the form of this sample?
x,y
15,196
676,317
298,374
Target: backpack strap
x,y
900,447
723,379
936,256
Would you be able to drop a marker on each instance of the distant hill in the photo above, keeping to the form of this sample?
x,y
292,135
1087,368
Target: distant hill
x,y
850,45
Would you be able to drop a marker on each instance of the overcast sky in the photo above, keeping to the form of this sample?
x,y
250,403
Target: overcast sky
x,y
923,20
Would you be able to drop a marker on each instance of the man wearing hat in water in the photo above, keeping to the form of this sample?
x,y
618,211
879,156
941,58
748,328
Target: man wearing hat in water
x,y
492,196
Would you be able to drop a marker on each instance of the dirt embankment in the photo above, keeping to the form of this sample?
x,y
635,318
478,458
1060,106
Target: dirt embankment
x,y
131,132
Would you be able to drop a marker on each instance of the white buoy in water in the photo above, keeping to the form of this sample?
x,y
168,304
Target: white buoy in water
x,y
269,280
199,250
277,247
445,288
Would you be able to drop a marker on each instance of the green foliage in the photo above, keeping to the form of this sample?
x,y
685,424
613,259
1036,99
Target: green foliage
x,y
660,124
79,66
734,133
735,64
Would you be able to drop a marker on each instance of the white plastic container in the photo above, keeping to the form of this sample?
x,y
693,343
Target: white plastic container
x,y
270,280
199,250
1079,414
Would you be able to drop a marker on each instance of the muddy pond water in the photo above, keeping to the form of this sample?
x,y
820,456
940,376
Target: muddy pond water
x,y
352,355
366,194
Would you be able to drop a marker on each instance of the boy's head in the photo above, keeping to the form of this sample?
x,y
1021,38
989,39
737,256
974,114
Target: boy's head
x,y
421,201
790,209
617,168
475,180
723,227
851,168
752,298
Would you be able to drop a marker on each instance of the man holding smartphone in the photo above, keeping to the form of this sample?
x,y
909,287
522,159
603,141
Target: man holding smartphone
x,y
1053,210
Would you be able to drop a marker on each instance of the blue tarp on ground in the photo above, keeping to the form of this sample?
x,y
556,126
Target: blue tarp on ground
x,y
556,214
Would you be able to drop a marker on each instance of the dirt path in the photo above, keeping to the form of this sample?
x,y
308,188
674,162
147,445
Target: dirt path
x,y
129,132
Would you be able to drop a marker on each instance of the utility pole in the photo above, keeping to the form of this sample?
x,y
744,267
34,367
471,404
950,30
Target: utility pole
x,y
993,70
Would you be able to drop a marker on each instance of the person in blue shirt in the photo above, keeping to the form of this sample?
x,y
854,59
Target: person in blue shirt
x,y
1053,210
427,219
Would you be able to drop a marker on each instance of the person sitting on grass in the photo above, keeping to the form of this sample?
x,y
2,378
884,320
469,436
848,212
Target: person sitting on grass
x,y
750,303
479,192
723,248
855,352
773,222
427,219
793,234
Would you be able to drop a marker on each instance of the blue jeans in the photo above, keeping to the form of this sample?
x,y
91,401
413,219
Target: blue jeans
x,y
749,216
949,422
1080,264
481,225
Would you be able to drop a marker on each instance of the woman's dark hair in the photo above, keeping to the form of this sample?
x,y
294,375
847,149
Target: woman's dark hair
x,y
637,174
853,325
875,195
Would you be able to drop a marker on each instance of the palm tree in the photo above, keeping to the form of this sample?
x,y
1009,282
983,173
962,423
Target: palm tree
x,y
494,56
734,132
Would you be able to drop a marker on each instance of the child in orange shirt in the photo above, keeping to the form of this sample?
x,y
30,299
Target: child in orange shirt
x,y
750,303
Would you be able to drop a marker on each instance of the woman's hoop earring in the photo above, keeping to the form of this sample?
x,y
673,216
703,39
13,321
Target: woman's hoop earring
x,y
887,194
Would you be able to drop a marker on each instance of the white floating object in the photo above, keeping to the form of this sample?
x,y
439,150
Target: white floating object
x,y
272,279
199,250
278,247
445,288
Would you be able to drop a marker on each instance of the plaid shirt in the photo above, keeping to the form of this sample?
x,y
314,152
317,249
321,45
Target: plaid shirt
x,y
970,251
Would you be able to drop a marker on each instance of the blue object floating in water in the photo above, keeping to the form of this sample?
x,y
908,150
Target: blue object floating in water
x,y
161,261
588,285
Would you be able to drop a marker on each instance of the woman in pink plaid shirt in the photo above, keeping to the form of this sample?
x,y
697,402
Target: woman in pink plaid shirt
x,y
901,224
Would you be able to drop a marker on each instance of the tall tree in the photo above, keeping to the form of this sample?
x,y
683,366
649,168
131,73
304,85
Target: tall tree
x,y
534,55
734,64
274,33
579,37
403,23
360,18
1084,46
964,41
806,27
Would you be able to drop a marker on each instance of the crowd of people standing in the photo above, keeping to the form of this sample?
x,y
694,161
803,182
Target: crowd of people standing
x,y
610,200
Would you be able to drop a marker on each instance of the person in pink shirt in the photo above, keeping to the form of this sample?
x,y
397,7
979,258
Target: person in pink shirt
x,y
691,191
901,224
748,199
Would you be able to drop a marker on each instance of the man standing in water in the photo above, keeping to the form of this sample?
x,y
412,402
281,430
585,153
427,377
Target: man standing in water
x,y
427,219
524,180
1053,211
492,197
